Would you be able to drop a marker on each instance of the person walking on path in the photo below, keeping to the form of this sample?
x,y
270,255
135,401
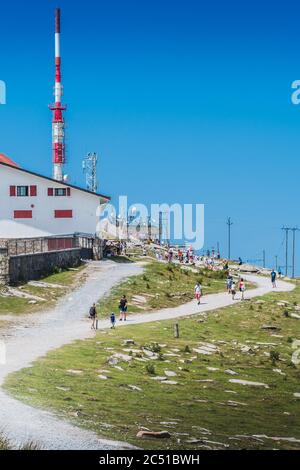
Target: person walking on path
x,y
123,308
242,288
233,290
93,316
273,278
229,283
113,320
198,292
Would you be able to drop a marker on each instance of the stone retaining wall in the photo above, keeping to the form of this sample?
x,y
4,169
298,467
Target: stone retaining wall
x,y
23,268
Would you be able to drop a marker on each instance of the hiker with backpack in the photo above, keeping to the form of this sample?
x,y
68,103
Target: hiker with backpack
x,y
93,316
233,290
123,308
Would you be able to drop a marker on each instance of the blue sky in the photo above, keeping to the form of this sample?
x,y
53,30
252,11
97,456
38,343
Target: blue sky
x,y
184,101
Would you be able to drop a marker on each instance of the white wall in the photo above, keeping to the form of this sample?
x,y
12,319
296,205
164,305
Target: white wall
x,y
43,222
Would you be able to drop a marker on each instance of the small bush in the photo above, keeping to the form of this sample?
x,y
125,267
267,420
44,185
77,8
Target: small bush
x,y
286,313
154,347
274,356
150,369
187,349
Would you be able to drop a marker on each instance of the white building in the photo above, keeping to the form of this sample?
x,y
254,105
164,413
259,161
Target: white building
x,y
32,205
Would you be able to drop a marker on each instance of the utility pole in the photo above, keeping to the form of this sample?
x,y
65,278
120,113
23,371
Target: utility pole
x,y
276,262
286,229
264,258
149,228
160,227
294,230
229,223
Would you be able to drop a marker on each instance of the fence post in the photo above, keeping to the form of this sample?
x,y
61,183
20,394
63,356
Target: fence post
x,y
176,330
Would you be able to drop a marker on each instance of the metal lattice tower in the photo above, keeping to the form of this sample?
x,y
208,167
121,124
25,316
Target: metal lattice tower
x,y
89,165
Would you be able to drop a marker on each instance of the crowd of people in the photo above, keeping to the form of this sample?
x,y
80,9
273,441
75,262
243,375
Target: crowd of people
x,y
184,257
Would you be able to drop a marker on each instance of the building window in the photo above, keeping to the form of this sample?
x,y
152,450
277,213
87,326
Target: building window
x,y
60,191
23,214
22,191
63,214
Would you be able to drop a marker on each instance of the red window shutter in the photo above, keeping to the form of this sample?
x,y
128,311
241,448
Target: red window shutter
x,y
68,191
12,190
23,214
33,190
50,191
63,214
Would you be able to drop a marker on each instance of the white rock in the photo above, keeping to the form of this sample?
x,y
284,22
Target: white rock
x,y
230,372
123,357
248,382
74,371
212,369
170,373
296,395
169,382
295,316
203,351
134,387
103,377
279,371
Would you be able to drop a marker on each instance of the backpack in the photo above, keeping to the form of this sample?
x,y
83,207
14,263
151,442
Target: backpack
x,y
92,312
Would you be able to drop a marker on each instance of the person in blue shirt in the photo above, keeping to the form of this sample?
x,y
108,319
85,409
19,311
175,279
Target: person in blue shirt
x,y
113,320
273,278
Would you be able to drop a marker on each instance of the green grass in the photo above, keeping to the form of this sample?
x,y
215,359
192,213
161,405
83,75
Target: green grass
x,y
161,285
17,305
110,408
6,444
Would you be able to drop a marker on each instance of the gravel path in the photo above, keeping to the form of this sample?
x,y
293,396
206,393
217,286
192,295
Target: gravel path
x,y
66,322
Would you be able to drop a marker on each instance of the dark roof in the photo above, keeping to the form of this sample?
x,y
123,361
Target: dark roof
x,y
55,181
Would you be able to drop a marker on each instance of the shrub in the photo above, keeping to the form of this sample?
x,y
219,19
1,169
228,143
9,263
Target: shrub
x,y
286,313
274,356
187,349
150,368
154,347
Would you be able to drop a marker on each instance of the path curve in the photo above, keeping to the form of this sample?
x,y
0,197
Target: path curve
x,y
67,322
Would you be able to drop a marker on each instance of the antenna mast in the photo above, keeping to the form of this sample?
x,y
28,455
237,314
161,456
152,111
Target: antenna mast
x,y
89,166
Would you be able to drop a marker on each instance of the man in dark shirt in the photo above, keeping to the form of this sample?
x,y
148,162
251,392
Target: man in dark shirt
x,y
93,316
123,308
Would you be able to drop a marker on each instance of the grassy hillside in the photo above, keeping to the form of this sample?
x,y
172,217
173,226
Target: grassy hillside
x,y
162,285
91,383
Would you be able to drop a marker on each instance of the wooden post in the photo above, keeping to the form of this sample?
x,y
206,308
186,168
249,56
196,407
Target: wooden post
x,y
176,330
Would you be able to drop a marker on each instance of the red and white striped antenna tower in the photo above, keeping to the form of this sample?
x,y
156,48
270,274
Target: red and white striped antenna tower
x,y
58,123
